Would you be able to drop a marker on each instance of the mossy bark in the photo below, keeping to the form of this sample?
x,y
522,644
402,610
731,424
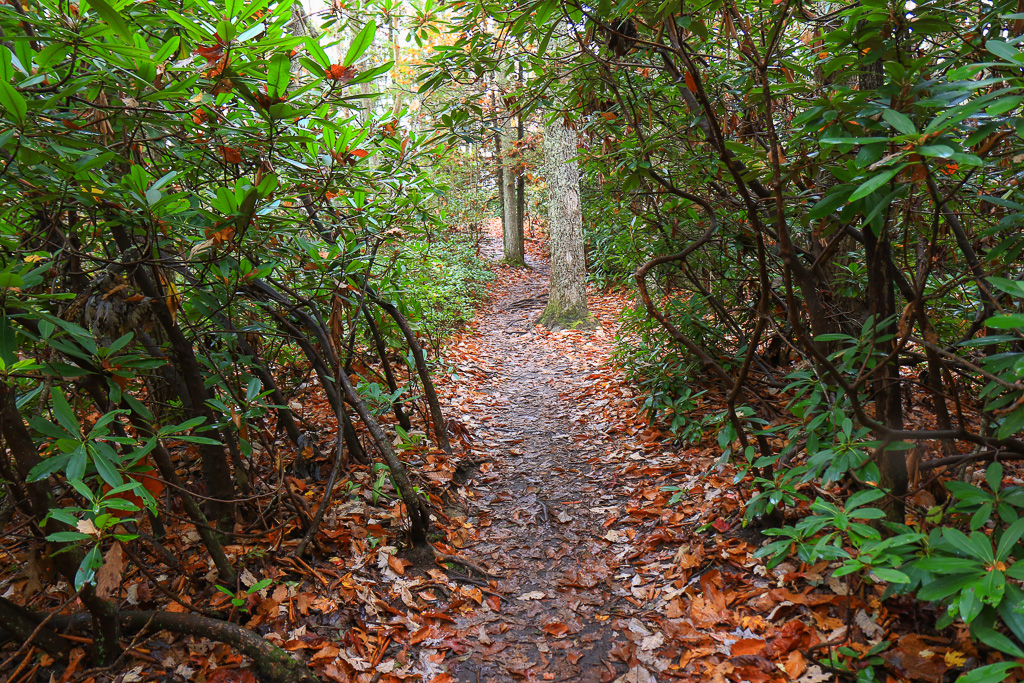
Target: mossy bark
x,y
567,297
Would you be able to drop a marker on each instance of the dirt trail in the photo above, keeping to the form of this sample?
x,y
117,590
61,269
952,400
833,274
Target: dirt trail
x,y
541,499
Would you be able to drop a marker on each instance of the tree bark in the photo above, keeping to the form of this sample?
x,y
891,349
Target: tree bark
x,y
512,236
567,298
271,663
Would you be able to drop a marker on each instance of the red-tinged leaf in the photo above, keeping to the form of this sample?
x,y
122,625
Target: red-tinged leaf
x,y
223,675
210,53
398,565
422,634
557,629
691,84
359,153
721,525
795,664
230,154
327,652
333,673
339,73
435,614
748,646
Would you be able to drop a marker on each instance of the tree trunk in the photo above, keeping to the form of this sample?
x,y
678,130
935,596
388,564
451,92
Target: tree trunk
x,y
512,236
499,166
886,387
521,183
567,299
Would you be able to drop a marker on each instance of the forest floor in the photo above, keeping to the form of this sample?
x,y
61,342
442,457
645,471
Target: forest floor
x,y
576,543
598,575
544,413
600,579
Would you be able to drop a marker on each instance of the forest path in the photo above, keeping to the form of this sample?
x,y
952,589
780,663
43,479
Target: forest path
x,y
549,422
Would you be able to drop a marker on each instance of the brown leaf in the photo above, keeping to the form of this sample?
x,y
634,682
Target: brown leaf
x,y
795,664
748,646
691,83
223,675
557,629
108,578
327,652
230,154
398,565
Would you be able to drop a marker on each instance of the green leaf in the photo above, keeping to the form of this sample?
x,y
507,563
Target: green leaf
x,y
14,102
360,43
1011,321
112,17
997,640
252,391
864,496
1012,287
66,536
63,412
279,75
1009,539
890,575
830,202
1003,106
959,540
1004,50
993,673
875,182
106,469
940,151
76,464
1009,611
317,53
900,121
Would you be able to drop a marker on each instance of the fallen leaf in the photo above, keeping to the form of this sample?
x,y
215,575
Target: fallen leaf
x,y
532,595
108,577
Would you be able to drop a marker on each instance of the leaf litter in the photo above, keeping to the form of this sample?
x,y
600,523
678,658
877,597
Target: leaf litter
x,y
557,554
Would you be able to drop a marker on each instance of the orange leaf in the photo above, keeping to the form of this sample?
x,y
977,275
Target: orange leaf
x,y
221,236
359,153
691,83
748,646
337,72
795,664
230,154
556,629
398,565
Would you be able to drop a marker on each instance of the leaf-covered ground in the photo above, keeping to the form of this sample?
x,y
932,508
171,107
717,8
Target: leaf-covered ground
x,y
598,577
559,555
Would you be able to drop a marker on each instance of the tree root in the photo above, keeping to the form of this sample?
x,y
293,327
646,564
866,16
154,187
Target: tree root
x,y
484,587
270,663
469,564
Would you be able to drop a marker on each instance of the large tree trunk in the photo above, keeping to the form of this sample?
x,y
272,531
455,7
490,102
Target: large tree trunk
x,y
567,300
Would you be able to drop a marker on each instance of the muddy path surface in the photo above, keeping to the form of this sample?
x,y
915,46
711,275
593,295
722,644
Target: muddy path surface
x,y
541,409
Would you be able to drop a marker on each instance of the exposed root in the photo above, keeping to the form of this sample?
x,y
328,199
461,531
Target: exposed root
x,y
469,564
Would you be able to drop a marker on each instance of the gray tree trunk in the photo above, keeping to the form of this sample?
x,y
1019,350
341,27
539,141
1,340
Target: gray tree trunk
x,y
567,299
512,238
